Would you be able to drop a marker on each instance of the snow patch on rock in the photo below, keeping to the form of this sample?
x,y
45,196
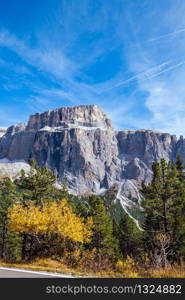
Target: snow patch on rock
x,y
70,126
130,200
2,131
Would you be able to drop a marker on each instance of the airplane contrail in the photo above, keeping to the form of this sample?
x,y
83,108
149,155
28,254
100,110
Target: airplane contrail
x,y
137,76
164,71
143,76
166,35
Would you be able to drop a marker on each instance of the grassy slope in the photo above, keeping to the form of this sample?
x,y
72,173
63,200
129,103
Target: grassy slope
x,y
50,265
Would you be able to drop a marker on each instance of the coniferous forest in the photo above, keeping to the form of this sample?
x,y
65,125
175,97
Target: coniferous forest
x,y
41,225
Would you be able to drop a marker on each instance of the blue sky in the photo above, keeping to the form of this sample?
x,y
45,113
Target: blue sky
x,y
127,56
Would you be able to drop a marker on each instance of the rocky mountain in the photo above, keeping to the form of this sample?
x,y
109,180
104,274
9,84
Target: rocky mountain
x,y
2,131
80,145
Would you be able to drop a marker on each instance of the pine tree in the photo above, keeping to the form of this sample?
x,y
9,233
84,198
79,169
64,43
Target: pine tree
x,y
116,231
130,238
64,194
179,164
8,196
164,211
178,214
37,185
103,240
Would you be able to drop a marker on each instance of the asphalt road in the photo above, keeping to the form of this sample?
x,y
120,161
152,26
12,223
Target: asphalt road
x,y
20,273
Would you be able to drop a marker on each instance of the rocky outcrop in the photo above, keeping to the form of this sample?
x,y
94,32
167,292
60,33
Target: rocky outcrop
x,y
2,131
81,147
67,117
16,143
12,168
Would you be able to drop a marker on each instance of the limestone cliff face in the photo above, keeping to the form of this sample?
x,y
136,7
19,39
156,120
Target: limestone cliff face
x,y
80,145
83,115
2,131
140,148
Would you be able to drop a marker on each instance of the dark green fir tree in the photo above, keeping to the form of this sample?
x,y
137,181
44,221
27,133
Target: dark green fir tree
x,y
103,240
10,243
37,185
164,212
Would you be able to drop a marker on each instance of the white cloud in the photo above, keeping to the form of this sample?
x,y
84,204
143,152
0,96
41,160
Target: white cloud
x,y
157,68
49,60
164,88
166,102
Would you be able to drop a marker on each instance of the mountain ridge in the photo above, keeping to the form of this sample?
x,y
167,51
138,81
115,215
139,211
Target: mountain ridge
x,y
80,145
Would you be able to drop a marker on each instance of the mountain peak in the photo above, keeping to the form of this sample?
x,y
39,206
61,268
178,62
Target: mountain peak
x,y
70,116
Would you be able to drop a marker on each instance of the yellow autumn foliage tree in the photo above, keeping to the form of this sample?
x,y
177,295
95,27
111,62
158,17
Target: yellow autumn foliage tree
x,y
52,218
